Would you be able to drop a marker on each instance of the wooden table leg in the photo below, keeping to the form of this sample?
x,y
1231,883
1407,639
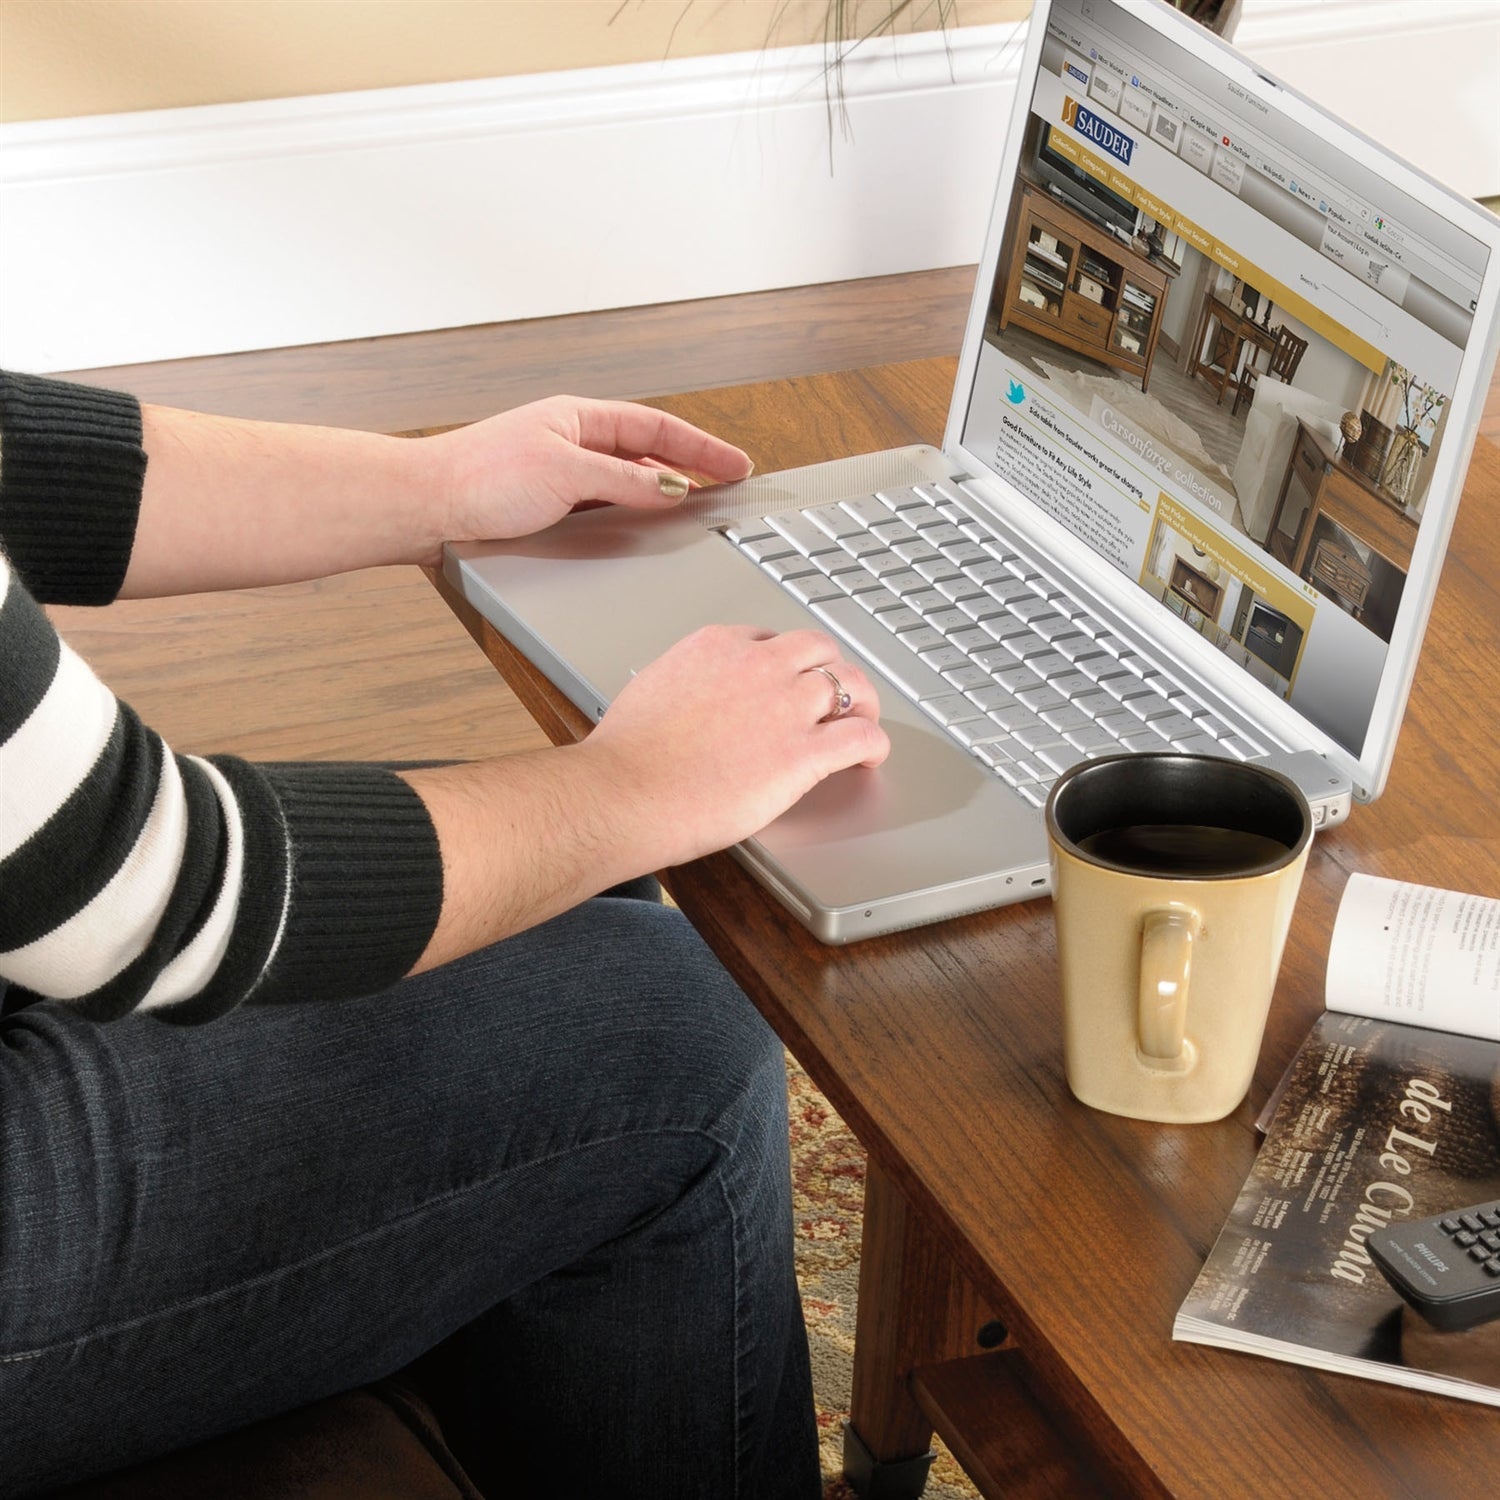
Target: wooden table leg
x,y
915,1308
1198,336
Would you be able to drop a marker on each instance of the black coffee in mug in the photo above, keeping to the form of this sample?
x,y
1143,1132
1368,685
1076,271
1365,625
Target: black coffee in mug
x,y
1188,849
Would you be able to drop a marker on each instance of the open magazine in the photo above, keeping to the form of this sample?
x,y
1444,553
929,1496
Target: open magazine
x,y
1390,1110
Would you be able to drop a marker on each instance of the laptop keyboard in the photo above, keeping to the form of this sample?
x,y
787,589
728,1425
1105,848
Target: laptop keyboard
x,y
1015,670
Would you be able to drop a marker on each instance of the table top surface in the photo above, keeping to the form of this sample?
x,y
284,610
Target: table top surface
x,y
1243,322
1335,460
941,1047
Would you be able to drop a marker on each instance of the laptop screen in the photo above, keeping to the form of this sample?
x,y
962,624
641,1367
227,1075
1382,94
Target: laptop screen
x,y
1222,351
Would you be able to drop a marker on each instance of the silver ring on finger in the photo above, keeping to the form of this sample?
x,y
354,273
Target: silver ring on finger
x,y
842,702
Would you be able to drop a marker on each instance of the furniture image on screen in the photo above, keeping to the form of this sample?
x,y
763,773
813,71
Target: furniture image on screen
x,y
1078,286
1270,430
1200,591
1336,570
1267,634
1318,484
1286,355
1218,362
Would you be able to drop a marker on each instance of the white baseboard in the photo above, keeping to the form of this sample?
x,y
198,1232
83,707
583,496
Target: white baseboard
x,y
174,233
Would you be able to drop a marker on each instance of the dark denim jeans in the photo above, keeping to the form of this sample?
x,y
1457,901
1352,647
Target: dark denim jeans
x,y
564,1159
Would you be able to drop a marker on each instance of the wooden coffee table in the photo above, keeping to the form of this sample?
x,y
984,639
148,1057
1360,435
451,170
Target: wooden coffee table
x,y
1023,1255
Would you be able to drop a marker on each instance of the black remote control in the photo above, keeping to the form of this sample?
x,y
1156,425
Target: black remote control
x,y
1447,1267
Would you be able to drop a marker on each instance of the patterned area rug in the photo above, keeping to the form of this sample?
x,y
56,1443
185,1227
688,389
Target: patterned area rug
x,y
1144,411
828,1188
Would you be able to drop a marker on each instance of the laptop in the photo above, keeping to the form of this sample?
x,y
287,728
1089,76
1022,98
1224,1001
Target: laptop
x,y
1219,384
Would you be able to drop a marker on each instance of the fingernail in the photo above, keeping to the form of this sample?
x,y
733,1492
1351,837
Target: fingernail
x,y
673,486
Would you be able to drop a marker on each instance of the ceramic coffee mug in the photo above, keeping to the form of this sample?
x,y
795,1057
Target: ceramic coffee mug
x,y
1173,882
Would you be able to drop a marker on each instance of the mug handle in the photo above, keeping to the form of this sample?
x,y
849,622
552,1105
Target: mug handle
x,y
1167,937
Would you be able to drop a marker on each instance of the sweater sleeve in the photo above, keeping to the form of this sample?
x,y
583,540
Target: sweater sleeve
x,y
132,877
71,469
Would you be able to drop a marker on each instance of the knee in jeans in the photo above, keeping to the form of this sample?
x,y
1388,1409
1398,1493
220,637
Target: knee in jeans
x,y
681,1008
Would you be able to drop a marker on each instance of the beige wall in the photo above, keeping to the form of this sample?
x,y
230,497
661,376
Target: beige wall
x,y
83,57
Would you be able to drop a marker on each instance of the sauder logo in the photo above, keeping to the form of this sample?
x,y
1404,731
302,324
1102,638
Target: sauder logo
x,y
1104,135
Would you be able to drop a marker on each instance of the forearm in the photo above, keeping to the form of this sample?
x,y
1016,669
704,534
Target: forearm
x,y
103,498
231,504
525,837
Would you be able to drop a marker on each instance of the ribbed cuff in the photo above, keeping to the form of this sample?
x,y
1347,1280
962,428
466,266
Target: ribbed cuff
x,y
71,472
366,882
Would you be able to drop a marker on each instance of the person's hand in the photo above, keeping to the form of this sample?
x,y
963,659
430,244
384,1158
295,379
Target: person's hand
x,y
727,730
518,472
703,748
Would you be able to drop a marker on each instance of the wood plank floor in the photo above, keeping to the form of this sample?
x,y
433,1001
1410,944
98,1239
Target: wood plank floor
x,y
459,375
372,665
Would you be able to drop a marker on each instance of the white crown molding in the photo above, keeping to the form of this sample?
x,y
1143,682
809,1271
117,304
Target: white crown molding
x,y
173,233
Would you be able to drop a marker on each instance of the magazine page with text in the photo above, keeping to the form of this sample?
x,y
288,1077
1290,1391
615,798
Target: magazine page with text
x,y
1416,954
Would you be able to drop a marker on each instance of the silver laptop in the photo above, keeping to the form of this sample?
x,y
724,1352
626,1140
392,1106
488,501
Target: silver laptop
x,y
1218,390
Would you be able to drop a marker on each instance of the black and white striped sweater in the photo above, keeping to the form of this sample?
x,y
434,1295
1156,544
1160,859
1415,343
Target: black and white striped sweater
x,y
131,877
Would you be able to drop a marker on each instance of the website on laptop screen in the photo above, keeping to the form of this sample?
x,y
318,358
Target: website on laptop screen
x,y
1222,354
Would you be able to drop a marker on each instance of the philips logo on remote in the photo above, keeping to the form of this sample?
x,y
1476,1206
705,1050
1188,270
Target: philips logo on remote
x,y
1430,1255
